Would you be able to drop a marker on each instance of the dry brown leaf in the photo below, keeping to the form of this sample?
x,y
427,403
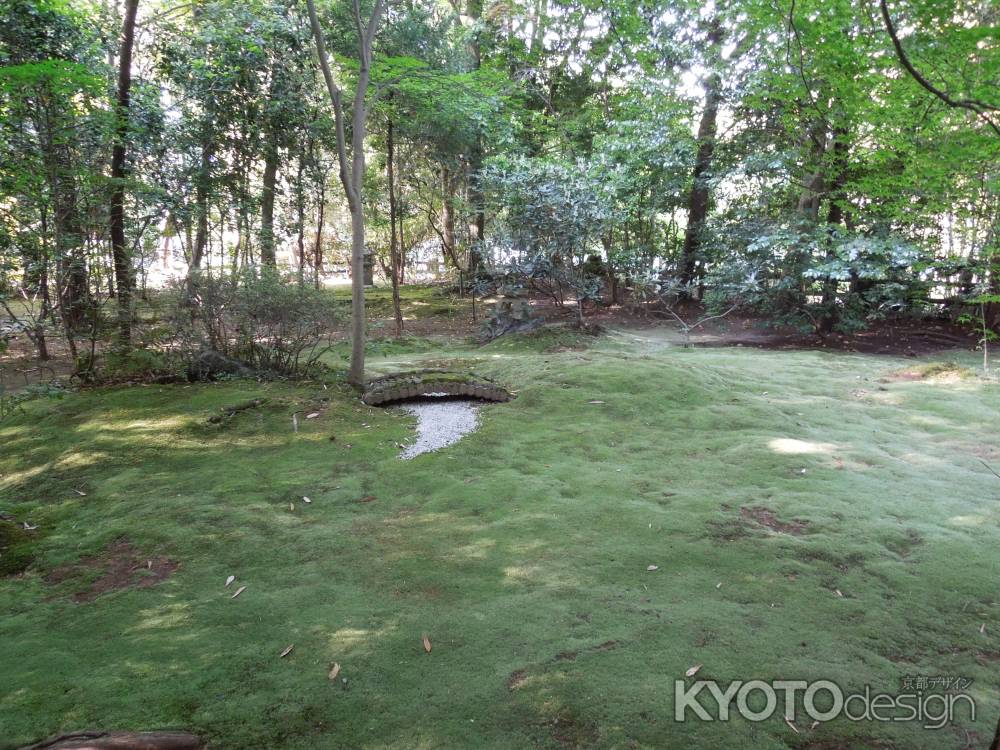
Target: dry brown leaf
x,y
334,671
239,591
287,651
692,671
368,499
427,643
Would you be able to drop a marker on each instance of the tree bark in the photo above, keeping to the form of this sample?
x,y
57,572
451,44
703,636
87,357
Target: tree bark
x,y
201,202
267,251
698,199
318,246
834,217
394,241
121,256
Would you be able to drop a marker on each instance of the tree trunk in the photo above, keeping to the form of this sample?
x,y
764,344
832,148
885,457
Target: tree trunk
x,y
267,253
474,9
394,250
835,215
201,203
318,246
353,181
300,205
119,250
698,199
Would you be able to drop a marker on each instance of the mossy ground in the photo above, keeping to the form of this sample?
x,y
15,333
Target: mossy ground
x,y
521,552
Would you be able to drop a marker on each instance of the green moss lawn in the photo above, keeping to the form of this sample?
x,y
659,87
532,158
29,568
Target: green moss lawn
x,y
808,521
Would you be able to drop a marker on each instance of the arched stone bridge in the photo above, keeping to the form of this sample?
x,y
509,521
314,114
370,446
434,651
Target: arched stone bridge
x,y
404,385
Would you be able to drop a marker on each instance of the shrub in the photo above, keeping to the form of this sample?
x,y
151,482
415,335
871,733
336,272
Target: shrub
x,y
261,318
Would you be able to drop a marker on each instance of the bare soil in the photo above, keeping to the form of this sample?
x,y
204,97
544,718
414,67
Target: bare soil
x,y
121,566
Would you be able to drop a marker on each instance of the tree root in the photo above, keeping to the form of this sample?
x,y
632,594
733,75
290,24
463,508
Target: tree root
x,y
166,739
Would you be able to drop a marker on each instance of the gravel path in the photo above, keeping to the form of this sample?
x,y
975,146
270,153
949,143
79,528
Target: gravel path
x,y
440,422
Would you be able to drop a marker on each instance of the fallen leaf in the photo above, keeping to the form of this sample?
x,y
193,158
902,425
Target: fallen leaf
x,y
651,568
80,493
239,591
718,585
794,728
334,671
813,725
291,506
306,500
28,527
287,651
312,415
368,499
230,580
837,592
693,671
427,643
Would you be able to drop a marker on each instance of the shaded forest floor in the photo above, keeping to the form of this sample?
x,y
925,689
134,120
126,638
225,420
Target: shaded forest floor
x,y
812,515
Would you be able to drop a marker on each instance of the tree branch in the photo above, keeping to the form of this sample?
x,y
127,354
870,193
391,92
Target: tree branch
x,y
973,105
336,98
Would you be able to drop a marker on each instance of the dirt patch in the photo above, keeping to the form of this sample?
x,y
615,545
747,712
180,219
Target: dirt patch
x,y
860,743
517,678
570,731
767,518
120,566
606,646
987,657
937,372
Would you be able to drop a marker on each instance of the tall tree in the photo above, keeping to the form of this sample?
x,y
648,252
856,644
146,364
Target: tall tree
x,y
120,251
352,169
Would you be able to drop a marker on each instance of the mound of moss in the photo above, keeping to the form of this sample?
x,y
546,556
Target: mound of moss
x,y
16,551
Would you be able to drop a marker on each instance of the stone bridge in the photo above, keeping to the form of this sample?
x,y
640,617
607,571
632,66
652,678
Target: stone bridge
x,y
404,385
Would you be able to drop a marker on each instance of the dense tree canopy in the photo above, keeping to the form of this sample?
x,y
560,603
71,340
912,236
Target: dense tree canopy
x,y
843,156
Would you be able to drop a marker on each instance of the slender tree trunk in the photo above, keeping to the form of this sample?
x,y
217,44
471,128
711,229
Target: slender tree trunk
x,y
300,205
474,9
267,252
318,246
390,173
120,252
353,180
